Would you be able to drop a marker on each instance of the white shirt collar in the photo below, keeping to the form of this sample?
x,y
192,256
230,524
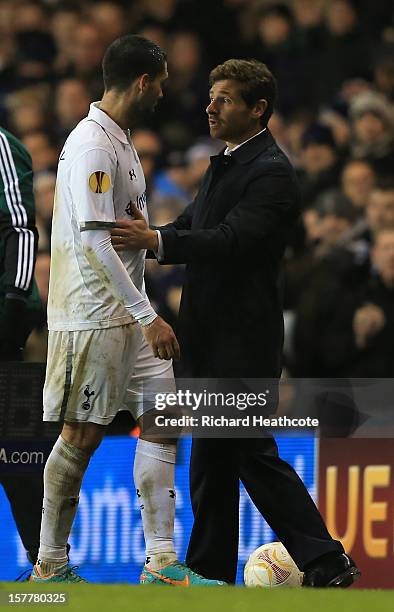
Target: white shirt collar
x,y
229,151
107,123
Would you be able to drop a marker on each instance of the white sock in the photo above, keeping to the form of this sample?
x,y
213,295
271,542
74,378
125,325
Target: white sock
x,y
154,467
63,475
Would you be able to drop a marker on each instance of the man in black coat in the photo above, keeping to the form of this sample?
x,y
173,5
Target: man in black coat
x,y
232,238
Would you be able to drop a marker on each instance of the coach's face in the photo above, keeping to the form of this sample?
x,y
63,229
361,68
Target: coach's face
x,y
230,118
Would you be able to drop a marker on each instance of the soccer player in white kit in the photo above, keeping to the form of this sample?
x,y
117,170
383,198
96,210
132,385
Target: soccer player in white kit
x,y
105,339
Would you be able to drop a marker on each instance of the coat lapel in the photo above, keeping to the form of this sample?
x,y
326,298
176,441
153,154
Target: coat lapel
x,y
219,166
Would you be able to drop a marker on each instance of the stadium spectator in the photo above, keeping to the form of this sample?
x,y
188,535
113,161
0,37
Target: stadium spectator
x,y
373,315
85,57
42,149
319,165
35,46
28,111
357,339
327,226
357,181
373,131
64,21
154,32
346,51
308,15
278,129
380,208
72,100
186,91
278,44
384,74
111,19
161,12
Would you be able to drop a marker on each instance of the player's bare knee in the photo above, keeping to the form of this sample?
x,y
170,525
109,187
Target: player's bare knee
x,y
150,432
85,436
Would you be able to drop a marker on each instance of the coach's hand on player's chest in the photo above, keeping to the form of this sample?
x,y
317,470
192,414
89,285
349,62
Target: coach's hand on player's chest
x,y
134,234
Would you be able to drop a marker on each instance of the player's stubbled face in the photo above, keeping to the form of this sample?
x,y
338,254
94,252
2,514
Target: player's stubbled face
x,y
154,92
229,116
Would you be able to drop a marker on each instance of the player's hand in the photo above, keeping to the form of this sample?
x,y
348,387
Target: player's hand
x,y
160,336
134,234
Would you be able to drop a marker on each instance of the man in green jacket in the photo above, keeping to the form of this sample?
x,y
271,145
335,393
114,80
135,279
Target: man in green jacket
x,y
19,303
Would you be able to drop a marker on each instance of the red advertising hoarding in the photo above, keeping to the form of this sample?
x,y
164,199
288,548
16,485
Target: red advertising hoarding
x,y
356,498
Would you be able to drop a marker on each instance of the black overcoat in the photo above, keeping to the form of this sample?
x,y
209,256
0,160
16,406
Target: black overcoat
x,y
232,238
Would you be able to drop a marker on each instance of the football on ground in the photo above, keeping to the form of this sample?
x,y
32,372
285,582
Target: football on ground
x,y
270,566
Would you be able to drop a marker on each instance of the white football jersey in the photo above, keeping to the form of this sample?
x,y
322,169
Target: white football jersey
x,y
99,177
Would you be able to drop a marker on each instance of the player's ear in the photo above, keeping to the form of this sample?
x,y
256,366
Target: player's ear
x,y
259,108
143,82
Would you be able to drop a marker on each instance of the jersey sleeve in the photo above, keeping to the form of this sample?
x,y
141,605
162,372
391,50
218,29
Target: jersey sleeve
x,y
91,181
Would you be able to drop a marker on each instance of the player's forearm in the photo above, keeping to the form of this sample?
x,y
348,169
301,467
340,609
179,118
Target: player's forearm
x,y
107,265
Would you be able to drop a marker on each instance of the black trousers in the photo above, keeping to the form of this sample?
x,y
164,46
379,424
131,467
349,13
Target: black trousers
x,y
25,492
216,467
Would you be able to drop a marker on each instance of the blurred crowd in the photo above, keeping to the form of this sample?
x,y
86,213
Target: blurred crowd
x,y
334,62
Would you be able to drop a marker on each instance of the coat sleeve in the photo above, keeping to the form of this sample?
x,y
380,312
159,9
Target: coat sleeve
x,y
269,200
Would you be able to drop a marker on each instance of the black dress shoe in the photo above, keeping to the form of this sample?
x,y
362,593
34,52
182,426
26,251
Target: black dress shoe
x,y
331,571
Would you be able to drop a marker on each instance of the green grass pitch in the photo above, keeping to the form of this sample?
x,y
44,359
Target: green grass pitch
x,y
119,598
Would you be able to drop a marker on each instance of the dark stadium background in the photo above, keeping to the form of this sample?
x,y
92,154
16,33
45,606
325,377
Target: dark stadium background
x,y
334,62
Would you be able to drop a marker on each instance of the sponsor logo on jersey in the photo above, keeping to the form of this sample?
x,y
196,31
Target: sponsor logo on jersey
x,y
99,182
140,203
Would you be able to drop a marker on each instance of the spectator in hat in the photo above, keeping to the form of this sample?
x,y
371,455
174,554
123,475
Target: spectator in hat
x,y
373,131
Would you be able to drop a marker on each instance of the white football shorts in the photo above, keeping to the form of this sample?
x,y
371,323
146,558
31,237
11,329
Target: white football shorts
x,y
92,374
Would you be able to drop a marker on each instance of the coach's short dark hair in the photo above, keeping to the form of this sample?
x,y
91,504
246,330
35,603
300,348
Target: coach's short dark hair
x,y
129,57
256,82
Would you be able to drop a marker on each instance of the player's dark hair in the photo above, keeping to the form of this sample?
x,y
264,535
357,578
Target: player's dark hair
x,y
256,82
127,58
